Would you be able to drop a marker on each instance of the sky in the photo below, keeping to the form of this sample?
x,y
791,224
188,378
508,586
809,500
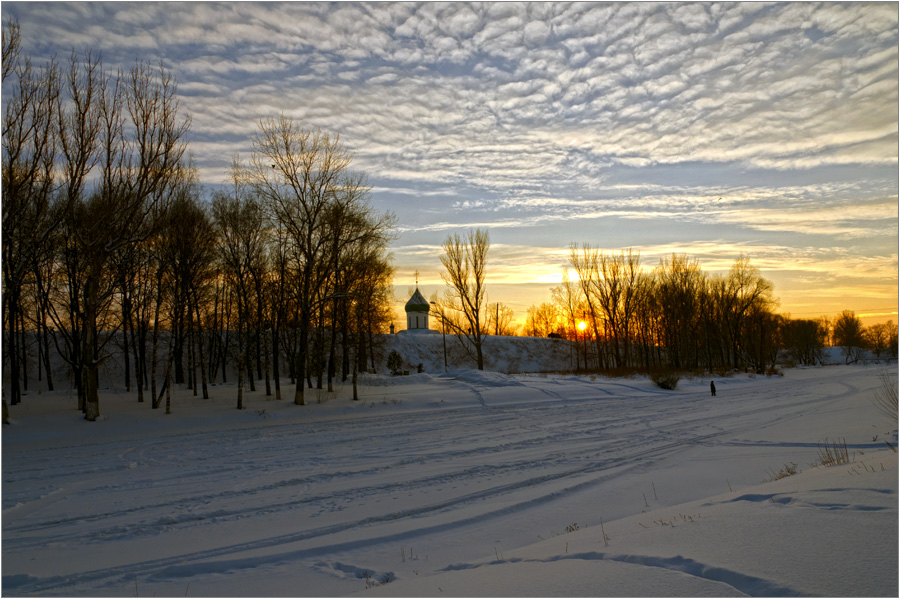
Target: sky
x,y
714,130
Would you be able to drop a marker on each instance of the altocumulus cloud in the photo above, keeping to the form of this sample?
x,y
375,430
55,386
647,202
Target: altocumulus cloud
x,y
622,124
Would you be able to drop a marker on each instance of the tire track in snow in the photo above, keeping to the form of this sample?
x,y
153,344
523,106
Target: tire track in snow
x,y
175,565
751,586
352,494
589,419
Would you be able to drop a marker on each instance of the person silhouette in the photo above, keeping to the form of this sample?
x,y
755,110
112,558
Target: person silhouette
x,y
712,388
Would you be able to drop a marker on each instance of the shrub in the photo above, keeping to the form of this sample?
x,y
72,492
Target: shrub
x,y
788,470
395,362
666,379
834,454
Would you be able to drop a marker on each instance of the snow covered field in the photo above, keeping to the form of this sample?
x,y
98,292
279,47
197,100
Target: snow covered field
x,y
469,483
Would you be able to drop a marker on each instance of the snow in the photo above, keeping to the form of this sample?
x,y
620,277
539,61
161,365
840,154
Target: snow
x,y
501,354
463,483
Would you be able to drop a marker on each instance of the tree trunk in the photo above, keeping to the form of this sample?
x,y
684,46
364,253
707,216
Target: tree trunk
x,y
300,365
264,343
240,365
248,359
276,358
372,350
214,337
319,352
345,349
177,338
200,352
192,358
140,356
43,302
24,346
169,382
47,368
332,350
155,350
226,322
91,377
38,331
15,392
126,320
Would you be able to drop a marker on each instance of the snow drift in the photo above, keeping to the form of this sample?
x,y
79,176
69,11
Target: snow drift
x,y
460,483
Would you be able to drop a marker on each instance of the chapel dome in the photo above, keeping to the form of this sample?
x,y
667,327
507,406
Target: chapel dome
x,y
417,303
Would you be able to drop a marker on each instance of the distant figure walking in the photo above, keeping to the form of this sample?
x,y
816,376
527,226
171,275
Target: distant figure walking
x,y
712,388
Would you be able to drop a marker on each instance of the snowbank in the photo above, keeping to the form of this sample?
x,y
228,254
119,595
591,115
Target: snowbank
x,y
463,483
824,532
501,354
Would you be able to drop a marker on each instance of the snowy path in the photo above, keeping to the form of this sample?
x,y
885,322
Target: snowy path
x,y
437,470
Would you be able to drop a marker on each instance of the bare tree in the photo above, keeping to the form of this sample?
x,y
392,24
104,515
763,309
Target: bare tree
x,y
12,47
358,262
542,320
465,262
676,316
30,144
879,337
679,282
500,319
645,328
848,335
186,253
569,303
135,269
300,176
240,222
745,291
375,293
616,291
804,339
280,297
587,265
141,149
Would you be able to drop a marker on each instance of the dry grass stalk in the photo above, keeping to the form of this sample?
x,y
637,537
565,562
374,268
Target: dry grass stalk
x,y
886,396
835,453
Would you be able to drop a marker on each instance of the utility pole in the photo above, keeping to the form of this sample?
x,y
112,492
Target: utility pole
x,y
444,335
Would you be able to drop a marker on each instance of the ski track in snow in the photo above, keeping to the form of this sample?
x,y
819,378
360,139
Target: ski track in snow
x,y
751,586
457,468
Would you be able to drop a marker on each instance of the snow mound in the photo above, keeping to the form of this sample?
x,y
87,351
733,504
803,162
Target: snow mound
x,y
464,483
501,354
842,542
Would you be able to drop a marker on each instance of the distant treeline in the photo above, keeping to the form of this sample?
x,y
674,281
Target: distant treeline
x,y
677,316
105,230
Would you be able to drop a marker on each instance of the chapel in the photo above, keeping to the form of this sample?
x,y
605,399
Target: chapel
x,y
417,309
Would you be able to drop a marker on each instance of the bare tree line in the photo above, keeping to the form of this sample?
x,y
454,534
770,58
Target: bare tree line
x,y
678,316
625,318
107,239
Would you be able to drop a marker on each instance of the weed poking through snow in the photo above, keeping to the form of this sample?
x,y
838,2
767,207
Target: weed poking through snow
x,y
788,470
833,454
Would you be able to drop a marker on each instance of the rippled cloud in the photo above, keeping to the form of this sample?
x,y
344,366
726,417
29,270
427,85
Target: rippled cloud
x,y
750,125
